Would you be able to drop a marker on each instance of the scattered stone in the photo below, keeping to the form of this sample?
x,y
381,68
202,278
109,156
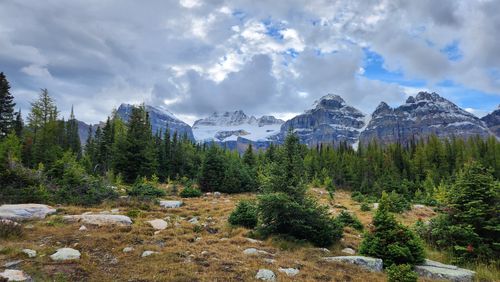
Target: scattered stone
x,y
289,271
270,261
83,228
128,249
12,263
171,204
372,264
204,253
194,220
148,253
100,219
254,252
436,270
115,210
324,250
349,251
224,239
29,252
14,275
217,194
253,241
265,275
66,254
25,211
29,226
158,224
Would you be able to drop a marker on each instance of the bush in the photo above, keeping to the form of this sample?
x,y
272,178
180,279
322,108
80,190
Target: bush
x,y
390,240
365,207
10,229
401,273
398,203
146,191
244,215
358,197
347,219
190,192
303,221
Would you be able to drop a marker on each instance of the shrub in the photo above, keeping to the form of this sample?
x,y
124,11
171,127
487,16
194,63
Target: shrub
x,y
303,221
244,215
133,213
190,192
401,273
347,219
357,196
365,207
397,203
390,240
10,229
145,191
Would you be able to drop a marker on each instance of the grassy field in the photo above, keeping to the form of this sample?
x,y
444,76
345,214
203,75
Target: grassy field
x,y
208,251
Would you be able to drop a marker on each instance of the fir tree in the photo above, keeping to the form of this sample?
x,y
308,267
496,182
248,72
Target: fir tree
x,y
212,170
19,124
6,107
72,136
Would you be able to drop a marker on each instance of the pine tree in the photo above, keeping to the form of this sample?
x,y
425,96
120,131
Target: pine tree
x,y
212,170
19,124
72,136
6,107
249,157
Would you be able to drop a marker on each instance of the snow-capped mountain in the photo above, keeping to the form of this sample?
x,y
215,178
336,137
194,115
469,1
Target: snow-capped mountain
x,y
492,120
160,118
419,117
330,121
230,126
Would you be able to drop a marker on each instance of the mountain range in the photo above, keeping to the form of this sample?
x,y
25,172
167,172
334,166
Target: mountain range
x,y
329,121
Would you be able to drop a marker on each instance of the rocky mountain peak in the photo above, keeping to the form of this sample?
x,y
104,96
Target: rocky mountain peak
x,y
382,108
329,101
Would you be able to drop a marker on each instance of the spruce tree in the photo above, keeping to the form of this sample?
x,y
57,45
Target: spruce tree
x,y
72,136
6,107
18,124
212,170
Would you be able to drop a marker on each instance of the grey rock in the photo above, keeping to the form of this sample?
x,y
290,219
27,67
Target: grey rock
x,y
15,275
148,253
265,275
171,204
194,220
372,264
289,271
100,219
348,251
82,228
492,120
127,249
25,211
29,252
65,254
158,224
12,263
436,270
255,252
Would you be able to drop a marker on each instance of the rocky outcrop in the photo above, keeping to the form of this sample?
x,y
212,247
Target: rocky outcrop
x,y
25,211
331,121
171,204
65,254
372,264
422,116
265,275
436,270
100,219
492,120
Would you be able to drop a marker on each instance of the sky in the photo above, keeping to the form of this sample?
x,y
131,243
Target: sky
x,y
195,57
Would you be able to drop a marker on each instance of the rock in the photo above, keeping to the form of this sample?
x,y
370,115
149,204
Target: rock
x,y
14,275
171,204
115,211
254,252
372,264
349,251
128,249
217,194
375,205
253,241
100,219
83,228
419,206
158,224
324,250
265,275
289,271
492,120
194,220
66,254
30,253
12,263
436,270
25,211
148,253
270,261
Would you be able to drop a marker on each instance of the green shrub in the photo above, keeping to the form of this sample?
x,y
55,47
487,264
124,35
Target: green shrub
x,y
190,192
345,218
10,229
358,197
244,215
401,273
146,191
398,203
390,240
133,213
365,207
303,221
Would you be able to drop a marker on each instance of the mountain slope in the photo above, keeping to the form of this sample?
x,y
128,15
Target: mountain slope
x,y
421,116
492,120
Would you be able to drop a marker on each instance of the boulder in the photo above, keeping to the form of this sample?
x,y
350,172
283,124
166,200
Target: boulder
x,y
372,264
12,263
128,249
436,270
66,254
30,253
194,220
100,219
289,271
171,204
83,228
14,275
25,211
265,275
158,224
254,252
148,253
349,251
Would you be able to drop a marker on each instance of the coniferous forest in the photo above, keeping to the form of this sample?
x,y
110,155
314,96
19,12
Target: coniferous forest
x,y
42,161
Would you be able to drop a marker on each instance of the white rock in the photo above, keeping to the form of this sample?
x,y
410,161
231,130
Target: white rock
x,y
349,251
265,275
30,253
289,271
14,275
12,263
372,264
83,228
436,270
25,211
253,241
270,261
128,249
148,253
66,254
158,224
324,250
100,219
171,204
217,194
115,210
417,206
375,205
254,252
194,220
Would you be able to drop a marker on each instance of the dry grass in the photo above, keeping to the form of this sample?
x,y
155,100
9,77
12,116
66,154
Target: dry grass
x,y
210,251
